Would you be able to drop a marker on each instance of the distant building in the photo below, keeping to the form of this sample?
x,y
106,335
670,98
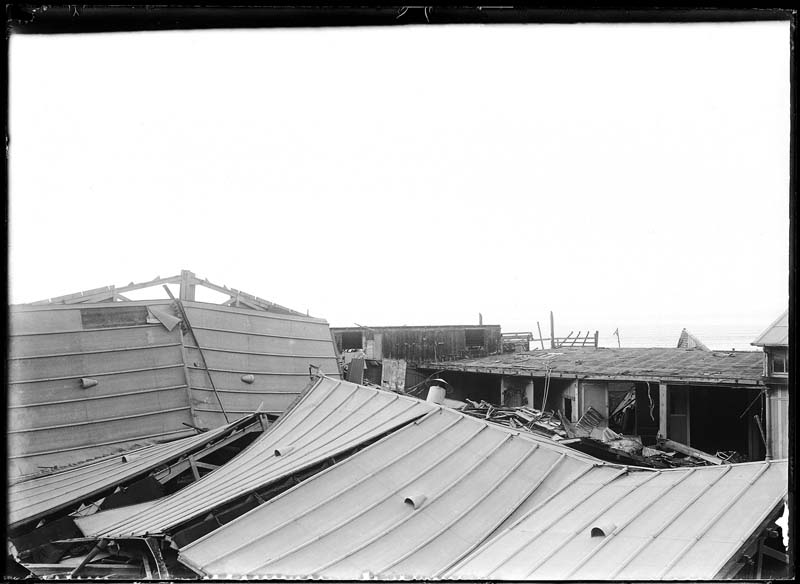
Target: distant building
x,y
393,352
704,399
775,341
688,341
420,344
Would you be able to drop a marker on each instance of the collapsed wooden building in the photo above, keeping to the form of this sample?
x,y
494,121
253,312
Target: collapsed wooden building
x,y
95,372
354,482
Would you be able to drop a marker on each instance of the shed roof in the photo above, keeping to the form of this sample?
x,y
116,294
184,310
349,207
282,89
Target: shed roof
x,y
646,364
331,417
776,334
424,501
42,495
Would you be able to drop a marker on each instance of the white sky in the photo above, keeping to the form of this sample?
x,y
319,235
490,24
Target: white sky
x,y
413,175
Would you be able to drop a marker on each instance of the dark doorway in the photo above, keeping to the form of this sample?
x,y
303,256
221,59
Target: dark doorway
x,y
351,341
722,420
474,386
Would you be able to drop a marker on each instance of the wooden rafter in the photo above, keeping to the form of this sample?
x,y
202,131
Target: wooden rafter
x,y
186,279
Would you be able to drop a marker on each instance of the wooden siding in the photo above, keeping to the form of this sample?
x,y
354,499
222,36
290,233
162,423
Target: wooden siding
x,y
151,381
424,344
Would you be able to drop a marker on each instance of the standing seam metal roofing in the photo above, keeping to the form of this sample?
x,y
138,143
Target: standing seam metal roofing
x,y
423,501
330,418
408,505
672,524
41,495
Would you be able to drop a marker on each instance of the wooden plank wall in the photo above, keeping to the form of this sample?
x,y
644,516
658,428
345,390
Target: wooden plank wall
x,y
140,393
421,345
275,349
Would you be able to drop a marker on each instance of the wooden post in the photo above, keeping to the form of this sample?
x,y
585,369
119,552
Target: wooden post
x,y
662,410
552,332
596,337
759,557
541,339
187,286
101,545
768,424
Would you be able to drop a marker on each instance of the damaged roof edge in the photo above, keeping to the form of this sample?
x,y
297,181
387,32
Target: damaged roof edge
x,y
36,497
523,372
330,418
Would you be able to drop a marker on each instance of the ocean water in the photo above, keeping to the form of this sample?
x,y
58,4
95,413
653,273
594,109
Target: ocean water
x,y
716,337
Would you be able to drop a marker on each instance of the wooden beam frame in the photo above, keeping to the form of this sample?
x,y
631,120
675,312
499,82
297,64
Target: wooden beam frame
x,y
663,412
187,281
185,463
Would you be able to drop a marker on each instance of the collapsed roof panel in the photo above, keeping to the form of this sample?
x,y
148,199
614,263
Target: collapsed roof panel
x,y
254,359
331,418
670,524
410,505
454,496
80,388
90,379
37,497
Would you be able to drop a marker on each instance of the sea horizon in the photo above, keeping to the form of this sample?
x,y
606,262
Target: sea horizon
x,y
717,336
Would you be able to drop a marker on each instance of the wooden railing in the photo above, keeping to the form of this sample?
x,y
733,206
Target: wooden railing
x,y
590,339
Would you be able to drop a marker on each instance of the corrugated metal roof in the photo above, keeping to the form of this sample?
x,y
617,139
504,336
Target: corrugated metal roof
x,y
681,524
103,519
41,495
331,417
423,502
409,505
776,334
626,363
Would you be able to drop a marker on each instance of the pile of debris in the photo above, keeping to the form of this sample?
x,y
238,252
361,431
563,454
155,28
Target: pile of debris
x,y
592,435
518,418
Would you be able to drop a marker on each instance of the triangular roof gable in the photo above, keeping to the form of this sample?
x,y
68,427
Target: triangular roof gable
x,y
776,334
